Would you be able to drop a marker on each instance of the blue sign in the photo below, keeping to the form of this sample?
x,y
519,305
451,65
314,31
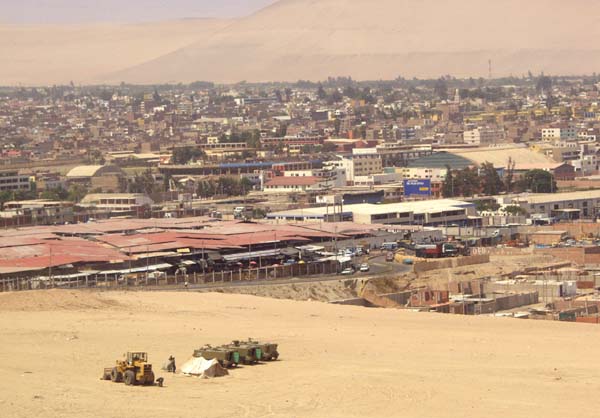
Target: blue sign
x,y
417,187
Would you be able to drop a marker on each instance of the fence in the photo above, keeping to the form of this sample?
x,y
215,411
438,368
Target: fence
x,y
502,251
118,281
446,263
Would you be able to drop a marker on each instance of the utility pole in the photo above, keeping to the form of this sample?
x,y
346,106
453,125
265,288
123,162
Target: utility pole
x,y
50,267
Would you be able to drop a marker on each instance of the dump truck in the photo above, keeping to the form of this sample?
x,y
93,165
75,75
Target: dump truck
x,y
269,350
250,352
227,357
134,369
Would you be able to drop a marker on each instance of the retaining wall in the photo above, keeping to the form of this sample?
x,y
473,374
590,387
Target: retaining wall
x,y
424,266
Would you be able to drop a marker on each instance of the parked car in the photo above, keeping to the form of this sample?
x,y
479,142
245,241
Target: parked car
x,y
364,267
389,246
347,271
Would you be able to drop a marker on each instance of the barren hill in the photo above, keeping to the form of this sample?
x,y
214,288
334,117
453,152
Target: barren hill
x,y
314,39
57,54
366,39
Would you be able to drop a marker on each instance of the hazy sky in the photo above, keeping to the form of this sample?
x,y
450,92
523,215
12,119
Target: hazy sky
x,y
74,11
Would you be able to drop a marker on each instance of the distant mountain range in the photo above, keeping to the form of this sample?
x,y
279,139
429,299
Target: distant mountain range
x,y
314,39
84,54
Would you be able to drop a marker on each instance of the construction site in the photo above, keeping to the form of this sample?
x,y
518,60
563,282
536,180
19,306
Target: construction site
x,y
336,361
354,309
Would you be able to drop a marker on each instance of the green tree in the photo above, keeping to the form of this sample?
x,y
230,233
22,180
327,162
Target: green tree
x,y
183,155
538,181
144,183
441,89
206,188
514,210
55,194
509,178
491,184
544,84
469,181
76,193
484,205
448,185
321,93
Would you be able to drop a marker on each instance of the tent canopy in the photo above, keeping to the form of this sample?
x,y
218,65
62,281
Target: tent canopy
x,y
199,366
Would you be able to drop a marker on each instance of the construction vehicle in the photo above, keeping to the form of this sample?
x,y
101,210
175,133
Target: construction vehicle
x,y
134,369
436,250
269,350
227,357
249,352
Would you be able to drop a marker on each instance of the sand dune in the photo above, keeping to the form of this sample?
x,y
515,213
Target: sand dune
x,y
336,361
314,39
310,39
53,54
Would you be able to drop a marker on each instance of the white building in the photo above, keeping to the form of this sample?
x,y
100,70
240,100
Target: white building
x,y
435,174
333,176
12,180
358,165
566,133
116,202
430,212
483,136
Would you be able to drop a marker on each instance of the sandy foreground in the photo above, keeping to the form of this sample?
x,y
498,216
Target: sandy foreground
x,y
336,361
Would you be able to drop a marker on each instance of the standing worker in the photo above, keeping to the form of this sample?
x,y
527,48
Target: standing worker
x,y
171,368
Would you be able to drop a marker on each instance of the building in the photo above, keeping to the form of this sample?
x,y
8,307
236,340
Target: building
x,y
296,184
358,165
426,213
352,198
118,203
11,180
573,205
564,133
483,136
334,177
40,211
435,174
104,177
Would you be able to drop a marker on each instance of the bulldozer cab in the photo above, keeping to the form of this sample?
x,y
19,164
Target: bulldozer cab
x,y
136,357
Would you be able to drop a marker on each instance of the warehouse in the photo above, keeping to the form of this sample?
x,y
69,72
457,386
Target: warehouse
x,y
568,206
430,212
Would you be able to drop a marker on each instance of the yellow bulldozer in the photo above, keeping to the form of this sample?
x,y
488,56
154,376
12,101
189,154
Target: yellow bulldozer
x,y
134,369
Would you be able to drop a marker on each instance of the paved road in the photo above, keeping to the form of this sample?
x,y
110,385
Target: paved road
x,y
378,268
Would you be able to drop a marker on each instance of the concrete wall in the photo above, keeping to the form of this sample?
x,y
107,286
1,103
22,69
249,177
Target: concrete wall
x,y
579,255
579,229
446,263
503,251
506,302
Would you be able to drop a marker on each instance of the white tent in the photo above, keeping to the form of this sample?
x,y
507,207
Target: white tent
x,y
199,366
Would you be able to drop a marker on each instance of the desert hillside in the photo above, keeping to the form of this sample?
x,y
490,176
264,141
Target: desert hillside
x,y
336,361
53,54
310,39
314,39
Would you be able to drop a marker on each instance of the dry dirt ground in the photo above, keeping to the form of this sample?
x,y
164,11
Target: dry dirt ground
x,y
336,361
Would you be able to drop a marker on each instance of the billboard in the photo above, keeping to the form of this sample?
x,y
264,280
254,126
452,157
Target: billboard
x,y
417,187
